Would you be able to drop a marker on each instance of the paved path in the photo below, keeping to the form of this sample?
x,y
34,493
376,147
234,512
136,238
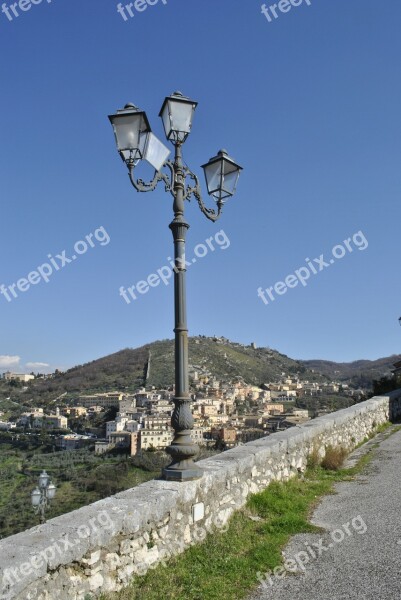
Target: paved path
x,y
350,563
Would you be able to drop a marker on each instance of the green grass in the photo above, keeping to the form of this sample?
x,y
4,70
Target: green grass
x,y
383,427
225,565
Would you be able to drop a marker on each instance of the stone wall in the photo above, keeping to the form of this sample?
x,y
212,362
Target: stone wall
x,y
100,547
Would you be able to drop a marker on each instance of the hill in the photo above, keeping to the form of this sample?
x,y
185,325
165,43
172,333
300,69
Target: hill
x,y
359,373
226,361
153,364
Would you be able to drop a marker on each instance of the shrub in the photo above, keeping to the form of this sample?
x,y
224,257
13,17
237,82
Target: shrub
x,y
334,458
314,458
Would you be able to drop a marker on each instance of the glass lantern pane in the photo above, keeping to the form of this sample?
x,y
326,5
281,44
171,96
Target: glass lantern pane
x,y
155,153
181,116
230,167
230,181
51,492
166,120
213,176
35,497
143,139
127,130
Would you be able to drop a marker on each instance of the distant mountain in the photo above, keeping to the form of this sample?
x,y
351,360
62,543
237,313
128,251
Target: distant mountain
x,y
359,373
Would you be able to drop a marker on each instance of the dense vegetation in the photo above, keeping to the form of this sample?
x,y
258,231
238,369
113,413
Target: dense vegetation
x,y
386,384
80,477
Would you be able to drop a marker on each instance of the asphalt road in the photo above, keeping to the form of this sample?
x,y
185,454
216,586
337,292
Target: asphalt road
x,y
358,556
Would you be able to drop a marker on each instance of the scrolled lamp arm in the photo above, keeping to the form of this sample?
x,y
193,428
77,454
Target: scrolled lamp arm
x,y
195,190
141,186
191,190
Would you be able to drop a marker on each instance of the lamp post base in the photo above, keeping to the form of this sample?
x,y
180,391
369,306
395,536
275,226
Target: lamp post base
x,y
192,473
182,449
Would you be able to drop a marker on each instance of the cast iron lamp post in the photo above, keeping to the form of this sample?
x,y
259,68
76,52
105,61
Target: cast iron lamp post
x,y
43,495
135,141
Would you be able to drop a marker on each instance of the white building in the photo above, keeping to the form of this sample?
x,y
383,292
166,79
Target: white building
x,y
8,376
109,400
50,422
116,426
155,438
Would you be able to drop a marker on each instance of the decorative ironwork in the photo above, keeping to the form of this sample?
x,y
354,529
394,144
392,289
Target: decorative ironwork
x,y
189,190
141,186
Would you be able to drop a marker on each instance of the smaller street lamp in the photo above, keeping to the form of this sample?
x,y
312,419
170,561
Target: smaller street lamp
x,y
399,320
43,495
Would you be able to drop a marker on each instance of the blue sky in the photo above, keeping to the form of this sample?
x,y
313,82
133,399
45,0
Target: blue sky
x,y
308,104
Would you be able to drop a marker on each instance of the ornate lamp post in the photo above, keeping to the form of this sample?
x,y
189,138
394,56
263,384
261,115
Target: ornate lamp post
x,y
43,495
135,142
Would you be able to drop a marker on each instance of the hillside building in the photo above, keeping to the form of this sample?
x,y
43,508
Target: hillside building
x,y
24,377
109,400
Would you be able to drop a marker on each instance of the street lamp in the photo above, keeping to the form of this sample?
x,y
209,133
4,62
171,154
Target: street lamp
x,y
399,320
43,495
221,174
135,141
